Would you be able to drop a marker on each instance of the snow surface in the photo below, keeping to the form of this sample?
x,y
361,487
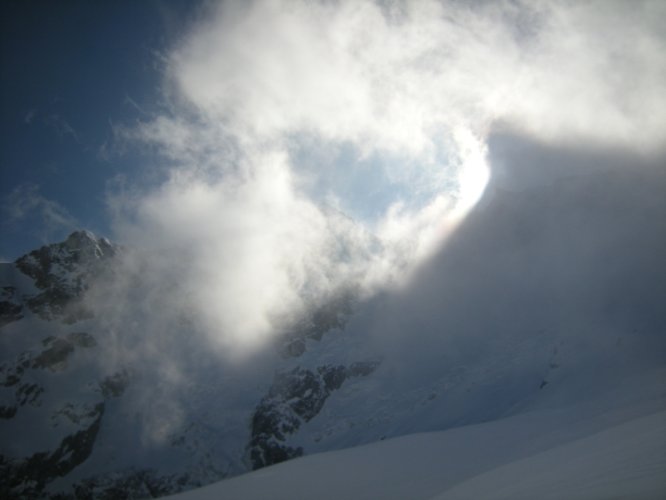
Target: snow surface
x,y
625,461
547,454
11,276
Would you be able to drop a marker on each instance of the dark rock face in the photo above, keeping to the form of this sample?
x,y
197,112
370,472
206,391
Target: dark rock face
x,y
114,385
295,397
332,314
82,339
26,478
53,357
63,272
10,305
7,412
79,249
129,484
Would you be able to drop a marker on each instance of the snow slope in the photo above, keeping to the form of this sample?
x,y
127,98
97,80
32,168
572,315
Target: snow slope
x,y
624,461
554,454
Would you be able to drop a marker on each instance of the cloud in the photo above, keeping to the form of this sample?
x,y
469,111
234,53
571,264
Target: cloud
x,y
244,254
395,78
570,262
29,116
61,127
25,206
283,117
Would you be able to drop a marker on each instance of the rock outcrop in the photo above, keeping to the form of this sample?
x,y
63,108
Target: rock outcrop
x,y
62,272
295,397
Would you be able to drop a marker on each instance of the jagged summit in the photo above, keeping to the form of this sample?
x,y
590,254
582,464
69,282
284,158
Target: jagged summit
x,y
86,245
79,248
61,272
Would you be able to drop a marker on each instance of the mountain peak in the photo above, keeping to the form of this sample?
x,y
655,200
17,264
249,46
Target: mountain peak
x,y
63,271
87,246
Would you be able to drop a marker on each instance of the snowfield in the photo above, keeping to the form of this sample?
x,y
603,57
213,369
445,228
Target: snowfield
x,y
583,452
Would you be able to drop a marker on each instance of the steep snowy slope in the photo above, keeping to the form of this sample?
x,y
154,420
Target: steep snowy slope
x,y
552,454
89,402
538,330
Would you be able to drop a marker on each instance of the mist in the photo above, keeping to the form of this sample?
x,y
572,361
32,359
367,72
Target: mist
x,y
561,259
308,148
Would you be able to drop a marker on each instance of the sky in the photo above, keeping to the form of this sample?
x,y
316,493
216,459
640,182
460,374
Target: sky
x,y
71,71
269,155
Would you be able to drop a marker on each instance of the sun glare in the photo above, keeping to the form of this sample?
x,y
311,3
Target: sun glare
x,y
474,173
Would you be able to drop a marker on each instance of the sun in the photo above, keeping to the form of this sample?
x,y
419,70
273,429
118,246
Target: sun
x,y
474,172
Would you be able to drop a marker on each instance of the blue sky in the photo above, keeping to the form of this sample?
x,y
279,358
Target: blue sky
x,y
75,71
70,71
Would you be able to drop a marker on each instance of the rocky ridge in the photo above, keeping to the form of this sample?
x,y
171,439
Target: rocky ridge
x,y
61,272
294,397
56,384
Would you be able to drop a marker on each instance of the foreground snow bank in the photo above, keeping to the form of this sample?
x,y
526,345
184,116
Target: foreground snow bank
x,y
625,461
548,454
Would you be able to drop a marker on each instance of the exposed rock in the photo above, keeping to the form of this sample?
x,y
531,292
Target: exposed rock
x,y
63,271
333,376
29,394
82,339
55,356
7,412
145,483
332,314
362,368
9,312
26,478
76,414
114,385
295,397
10,305
11,373
293,348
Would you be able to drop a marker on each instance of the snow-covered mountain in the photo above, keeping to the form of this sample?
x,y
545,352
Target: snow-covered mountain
x,y
73,421
550,454
501,354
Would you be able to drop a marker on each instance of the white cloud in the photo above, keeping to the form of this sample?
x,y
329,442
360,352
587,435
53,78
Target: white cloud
x,y
29,116
392,78
412,89
26,206
61,127
246,252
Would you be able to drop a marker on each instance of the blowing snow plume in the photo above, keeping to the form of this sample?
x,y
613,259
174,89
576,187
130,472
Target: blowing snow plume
x,y
316,147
